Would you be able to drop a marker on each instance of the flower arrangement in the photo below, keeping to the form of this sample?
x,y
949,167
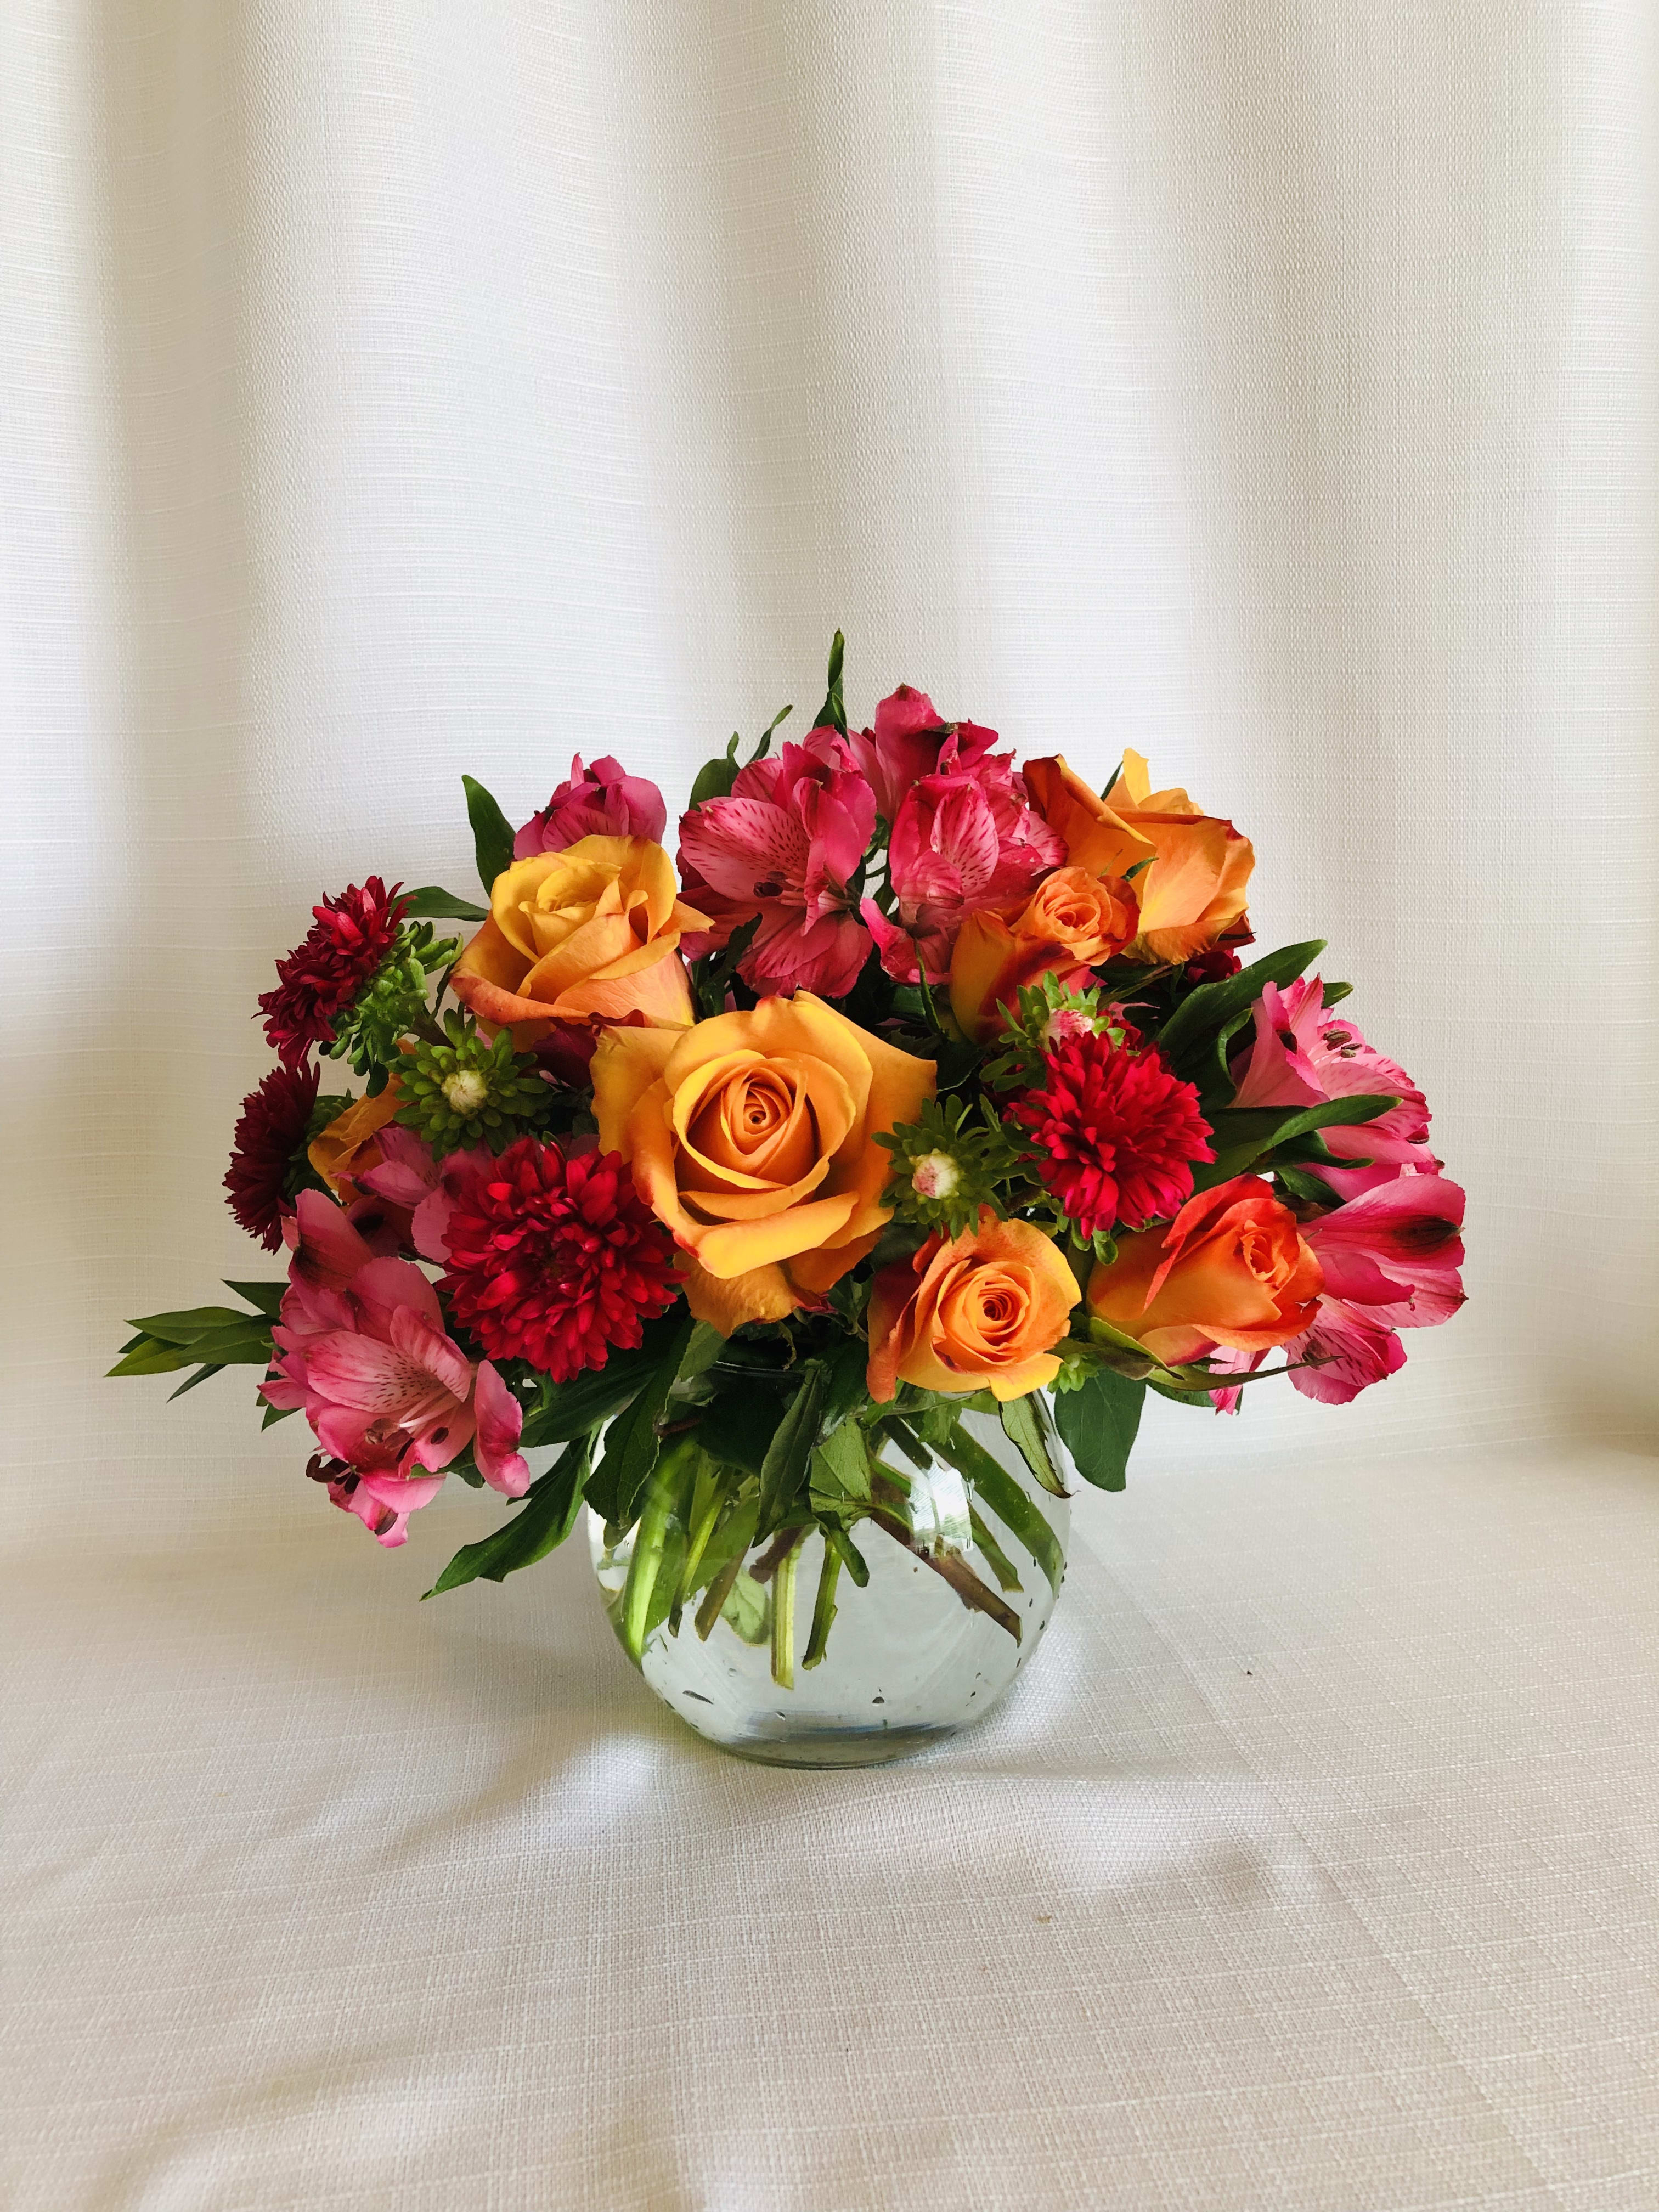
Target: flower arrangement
x,y
931,1083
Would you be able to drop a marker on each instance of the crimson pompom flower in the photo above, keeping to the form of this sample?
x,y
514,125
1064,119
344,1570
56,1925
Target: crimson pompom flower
x,y
269,1133
556,1260
323,977
1113,1133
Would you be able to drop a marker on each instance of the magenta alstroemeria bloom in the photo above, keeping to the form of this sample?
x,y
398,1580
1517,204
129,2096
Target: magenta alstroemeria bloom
x,y
960,842
599,801
361,1348
912,739
1302,1055
410,1181
1396,1250
785,846
1391,1257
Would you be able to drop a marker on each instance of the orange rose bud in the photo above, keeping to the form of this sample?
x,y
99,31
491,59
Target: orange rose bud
x,y
589,934
350,1144
1193,895
752,1137
1073,920
980,1311
1232,1268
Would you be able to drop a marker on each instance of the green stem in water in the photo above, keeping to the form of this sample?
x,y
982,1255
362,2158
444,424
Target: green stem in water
x,y
783,1618
714,1597
662,1500
823,1610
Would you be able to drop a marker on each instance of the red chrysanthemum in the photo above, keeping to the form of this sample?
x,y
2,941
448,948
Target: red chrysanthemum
x,y
322,977
556,1260
1114,1133
270,1134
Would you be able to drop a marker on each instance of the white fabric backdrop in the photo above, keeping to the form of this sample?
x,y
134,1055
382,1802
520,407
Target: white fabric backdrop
x,y
396,388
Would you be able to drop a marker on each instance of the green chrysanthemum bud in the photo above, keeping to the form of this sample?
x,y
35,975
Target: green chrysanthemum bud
x,y
468,1090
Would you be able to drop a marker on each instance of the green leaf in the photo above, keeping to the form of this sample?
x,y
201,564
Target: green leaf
x,y
187,1325
430,904
783,1471
1099,1424
541,1524
833,713
264,1297
715,777
654,1569
849,1366
840,1472
824,1608
149,1355
996,1559
492,833
566,1410
200,1376
619,1481
275,1413
744,1608
1025,1426
1202,1012
1310,1189
1024,1519
1243,1135
246,1344
737,1428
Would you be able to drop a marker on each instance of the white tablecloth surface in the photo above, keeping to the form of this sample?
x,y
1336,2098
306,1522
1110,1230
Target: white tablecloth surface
x,y
1310,1868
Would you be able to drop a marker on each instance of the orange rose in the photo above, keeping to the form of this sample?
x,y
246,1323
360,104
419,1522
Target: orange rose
x,y
1232,1268
1193,893
976,1312
752,1137
1074,920
589,934
350,1145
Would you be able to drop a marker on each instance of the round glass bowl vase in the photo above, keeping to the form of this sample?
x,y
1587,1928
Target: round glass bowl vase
x,y
906,1661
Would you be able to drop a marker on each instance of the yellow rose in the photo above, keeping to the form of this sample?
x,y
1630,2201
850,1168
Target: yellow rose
x,y
1193,893
752,1137
589,934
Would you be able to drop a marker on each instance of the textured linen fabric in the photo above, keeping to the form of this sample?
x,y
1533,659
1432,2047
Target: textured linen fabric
x,y
395,388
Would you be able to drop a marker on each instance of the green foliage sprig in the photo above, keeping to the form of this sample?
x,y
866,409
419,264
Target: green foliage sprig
x,y
467,1090
393,1004
957,1158
1026,1045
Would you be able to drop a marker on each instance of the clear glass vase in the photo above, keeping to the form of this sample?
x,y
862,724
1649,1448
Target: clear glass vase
x,y
905,1662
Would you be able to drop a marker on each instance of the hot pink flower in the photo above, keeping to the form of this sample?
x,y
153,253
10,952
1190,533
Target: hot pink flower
x,y
600,801
1396,1250
423,1189
362,1349
911,739
1302,1055
785,846
960,842
1391,1258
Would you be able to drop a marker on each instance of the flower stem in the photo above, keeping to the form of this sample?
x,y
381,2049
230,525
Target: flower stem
x,y
783,1617
823,1610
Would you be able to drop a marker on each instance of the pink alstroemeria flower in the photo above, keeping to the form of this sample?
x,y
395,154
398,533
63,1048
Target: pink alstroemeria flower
x,y
960,842
600,801
361,1348
421,1188
912,739
1302,1055
1391,1257
785,846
